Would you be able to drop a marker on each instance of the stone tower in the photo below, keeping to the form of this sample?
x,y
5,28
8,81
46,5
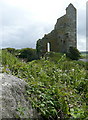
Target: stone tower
x,y
62,37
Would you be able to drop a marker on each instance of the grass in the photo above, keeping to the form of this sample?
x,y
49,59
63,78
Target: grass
x,y
57,87
84,55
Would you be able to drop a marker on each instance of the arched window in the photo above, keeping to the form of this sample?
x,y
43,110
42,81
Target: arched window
x,y
48,47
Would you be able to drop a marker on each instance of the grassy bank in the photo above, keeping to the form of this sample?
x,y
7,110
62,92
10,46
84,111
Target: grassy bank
x,y
57,87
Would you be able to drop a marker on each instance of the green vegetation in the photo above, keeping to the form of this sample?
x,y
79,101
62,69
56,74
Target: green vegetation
x,y
57,89
11,50
28,53
84,55
25,54
0,55
73,53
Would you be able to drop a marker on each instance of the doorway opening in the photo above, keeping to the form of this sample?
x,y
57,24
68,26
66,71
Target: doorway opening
x,y
48,47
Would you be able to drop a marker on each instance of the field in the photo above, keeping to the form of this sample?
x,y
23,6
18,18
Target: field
x,y
0,55
84,55
58,87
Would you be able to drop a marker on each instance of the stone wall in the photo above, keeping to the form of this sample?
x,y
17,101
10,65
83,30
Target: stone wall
x,y
63,36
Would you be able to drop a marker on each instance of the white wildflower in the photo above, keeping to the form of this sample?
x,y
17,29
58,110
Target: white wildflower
x,y
72,69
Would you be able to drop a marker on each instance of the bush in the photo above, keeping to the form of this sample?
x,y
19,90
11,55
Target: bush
x,y
11,50
73,53
28,54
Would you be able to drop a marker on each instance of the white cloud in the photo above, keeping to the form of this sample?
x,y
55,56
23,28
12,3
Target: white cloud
x,y
82,43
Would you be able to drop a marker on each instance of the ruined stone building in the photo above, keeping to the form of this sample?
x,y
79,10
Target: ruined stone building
x,y
62,37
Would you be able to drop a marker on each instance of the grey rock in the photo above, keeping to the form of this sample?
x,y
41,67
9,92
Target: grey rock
x,y
13,98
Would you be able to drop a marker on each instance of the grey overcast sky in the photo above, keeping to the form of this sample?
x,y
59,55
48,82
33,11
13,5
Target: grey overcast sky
x,y
23,22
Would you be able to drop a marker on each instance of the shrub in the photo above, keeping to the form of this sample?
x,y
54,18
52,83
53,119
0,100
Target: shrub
x,y
11,50
28,53
73,53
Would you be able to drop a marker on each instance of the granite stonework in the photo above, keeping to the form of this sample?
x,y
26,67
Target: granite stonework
x,y
63,36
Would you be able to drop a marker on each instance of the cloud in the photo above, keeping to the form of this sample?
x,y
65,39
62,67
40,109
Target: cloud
x,y
21,36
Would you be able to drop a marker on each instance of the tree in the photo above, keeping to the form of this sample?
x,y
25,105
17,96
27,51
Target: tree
x,y
73,53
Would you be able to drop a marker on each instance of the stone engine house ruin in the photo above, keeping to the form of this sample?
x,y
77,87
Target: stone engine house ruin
x,y
62,37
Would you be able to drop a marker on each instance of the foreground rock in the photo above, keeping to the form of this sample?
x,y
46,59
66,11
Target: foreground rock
x,y
13,99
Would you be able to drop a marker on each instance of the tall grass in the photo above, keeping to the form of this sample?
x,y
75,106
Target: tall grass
x,y
57,89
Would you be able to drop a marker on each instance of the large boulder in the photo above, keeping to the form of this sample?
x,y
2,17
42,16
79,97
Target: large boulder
x,y
13,99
